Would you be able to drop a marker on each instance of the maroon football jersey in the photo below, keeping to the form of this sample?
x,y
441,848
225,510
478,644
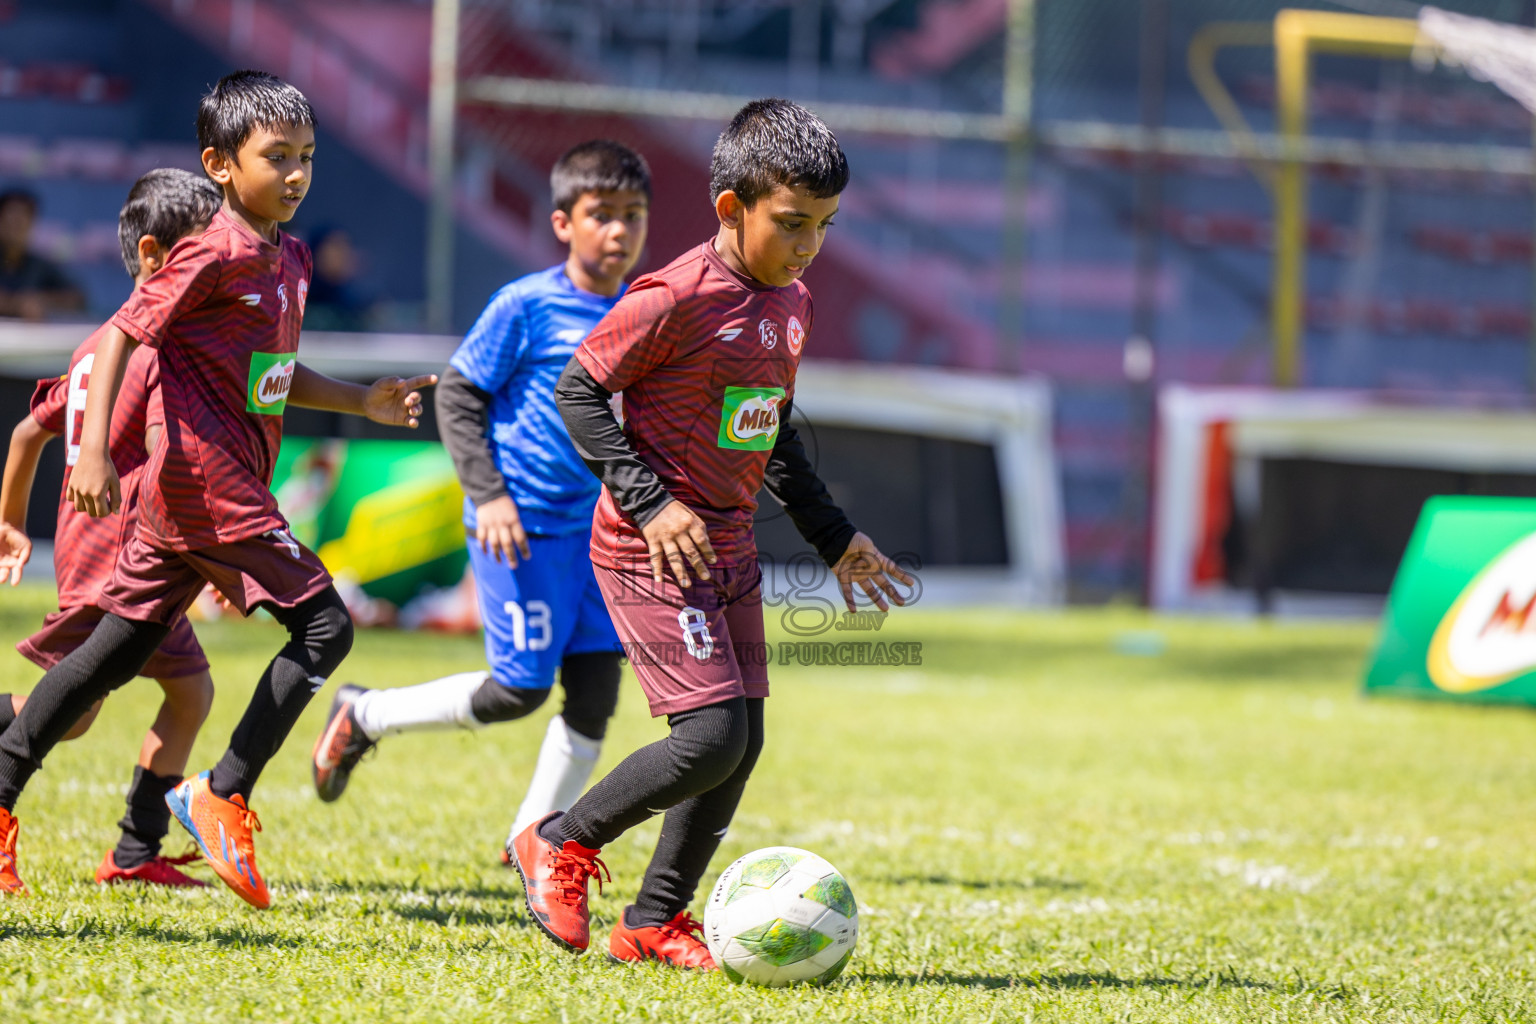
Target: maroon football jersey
x,y
706,358
85,548
224,312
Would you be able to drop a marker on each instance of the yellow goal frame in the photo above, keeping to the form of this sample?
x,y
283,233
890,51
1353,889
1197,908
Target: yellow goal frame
x,y
1298,35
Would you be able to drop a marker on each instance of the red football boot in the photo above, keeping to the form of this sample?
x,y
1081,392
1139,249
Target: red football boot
x,y
160,871
10,881
555,882
676,943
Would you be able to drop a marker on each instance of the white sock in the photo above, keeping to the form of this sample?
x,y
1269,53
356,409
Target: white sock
x,y
441,704
565,764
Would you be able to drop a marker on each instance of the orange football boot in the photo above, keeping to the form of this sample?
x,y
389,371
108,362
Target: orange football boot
x,y
10,881
223,830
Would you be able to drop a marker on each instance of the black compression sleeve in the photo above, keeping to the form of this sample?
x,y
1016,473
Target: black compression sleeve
x,y
792,480
464,422
601,443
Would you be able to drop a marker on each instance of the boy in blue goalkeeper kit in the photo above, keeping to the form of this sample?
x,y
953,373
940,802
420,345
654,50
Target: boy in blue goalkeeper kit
x,y
528,505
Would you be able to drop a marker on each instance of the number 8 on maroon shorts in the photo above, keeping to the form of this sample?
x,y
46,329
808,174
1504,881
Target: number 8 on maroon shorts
x,y
690,646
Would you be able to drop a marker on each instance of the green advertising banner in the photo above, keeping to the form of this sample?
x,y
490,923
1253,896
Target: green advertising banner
x,y
386,515
1459,623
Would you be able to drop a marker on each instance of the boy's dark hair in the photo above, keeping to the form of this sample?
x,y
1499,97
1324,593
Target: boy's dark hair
x,y
600,165
776,142
166,204
244,101
19,195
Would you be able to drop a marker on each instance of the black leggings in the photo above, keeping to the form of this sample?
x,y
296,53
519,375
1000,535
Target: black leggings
x,y
319,637
113,654
697,774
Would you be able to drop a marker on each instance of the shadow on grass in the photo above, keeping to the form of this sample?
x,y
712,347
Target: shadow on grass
x,y
1055,884
448,916
512,893
1073,980
229,937
416,902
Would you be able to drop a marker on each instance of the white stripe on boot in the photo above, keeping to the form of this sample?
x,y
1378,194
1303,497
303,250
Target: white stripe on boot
x,y
441,704
565,764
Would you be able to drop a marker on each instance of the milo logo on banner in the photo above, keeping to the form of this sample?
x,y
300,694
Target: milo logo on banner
x,y
749,418
1461,619
270,380
1489,635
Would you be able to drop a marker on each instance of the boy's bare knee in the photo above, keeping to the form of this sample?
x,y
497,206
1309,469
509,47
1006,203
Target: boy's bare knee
x,y
189,697
83,723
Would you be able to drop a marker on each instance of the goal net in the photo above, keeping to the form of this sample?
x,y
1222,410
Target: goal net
x,y
1489,51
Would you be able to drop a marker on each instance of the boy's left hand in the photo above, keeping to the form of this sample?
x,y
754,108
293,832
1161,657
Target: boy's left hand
x,y
15,551
395,401
863,564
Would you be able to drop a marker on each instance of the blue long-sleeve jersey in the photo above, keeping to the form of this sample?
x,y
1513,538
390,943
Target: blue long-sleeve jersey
x,y
516,351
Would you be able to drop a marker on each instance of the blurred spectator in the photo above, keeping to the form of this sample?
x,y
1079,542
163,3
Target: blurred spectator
x,y
337,302
31,287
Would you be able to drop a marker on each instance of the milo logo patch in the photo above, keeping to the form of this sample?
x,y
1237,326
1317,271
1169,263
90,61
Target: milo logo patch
x,y
1488,636
270,379
749,418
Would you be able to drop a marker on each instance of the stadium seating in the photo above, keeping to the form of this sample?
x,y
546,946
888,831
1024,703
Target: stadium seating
x,y
913,271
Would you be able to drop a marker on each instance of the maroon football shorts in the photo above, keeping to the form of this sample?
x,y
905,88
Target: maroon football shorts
x,y
153,584
690,646
179,654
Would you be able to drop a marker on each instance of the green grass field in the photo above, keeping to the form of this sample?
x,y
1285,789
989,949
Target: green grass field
x,y
1037,825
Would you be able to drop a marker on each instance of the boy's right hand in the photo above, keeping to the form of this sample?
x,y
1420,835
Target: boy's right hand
x,y
500,532
93,485
677,538
15,552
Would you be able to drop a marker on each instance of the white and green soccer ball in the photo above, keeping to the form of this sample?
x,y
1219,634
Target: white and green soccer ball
x,y
779,916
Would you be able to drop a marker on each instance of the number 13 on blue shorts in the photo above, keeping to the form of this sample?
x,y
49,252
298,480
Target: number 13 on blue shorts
x,y
540,612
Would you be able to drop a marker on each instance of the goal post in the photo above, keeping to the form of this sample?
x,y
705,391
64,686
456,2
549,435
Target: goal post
x,y
1298,35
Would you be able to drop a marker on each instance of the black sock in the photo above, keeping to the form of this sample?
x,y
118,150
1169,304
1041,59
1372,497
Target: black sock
x,y
147,819
691,832
550,832
7,715
108,658
319,637
704,751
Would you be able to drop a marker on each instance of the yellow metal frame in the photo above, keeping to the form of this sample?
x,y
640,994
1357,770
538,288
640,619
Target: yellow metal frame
x,y
1201,61
1298,35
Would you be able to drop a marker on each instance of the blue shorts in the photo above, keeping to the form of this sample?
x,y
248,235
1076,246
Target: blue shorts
x,y
545,609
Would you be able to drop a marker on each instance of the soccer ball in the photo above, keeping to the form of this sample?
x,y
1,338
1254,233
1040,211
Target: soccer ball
x,y
781,915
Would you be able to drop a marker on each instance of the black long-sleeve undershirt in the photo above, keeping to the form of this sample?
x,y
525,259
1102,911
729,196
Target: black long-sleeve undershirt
x,y
463,419
789,477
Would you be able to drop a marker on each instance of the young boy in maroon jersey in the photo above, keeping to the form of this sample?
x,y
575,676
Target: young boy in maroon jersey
x,y
224,314
163,206
705,352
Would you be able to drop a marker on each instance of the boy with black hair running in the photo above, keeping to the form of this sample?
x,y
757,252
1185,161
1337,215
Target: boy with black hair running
x,y
705,352
224,315
164,206
528,504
